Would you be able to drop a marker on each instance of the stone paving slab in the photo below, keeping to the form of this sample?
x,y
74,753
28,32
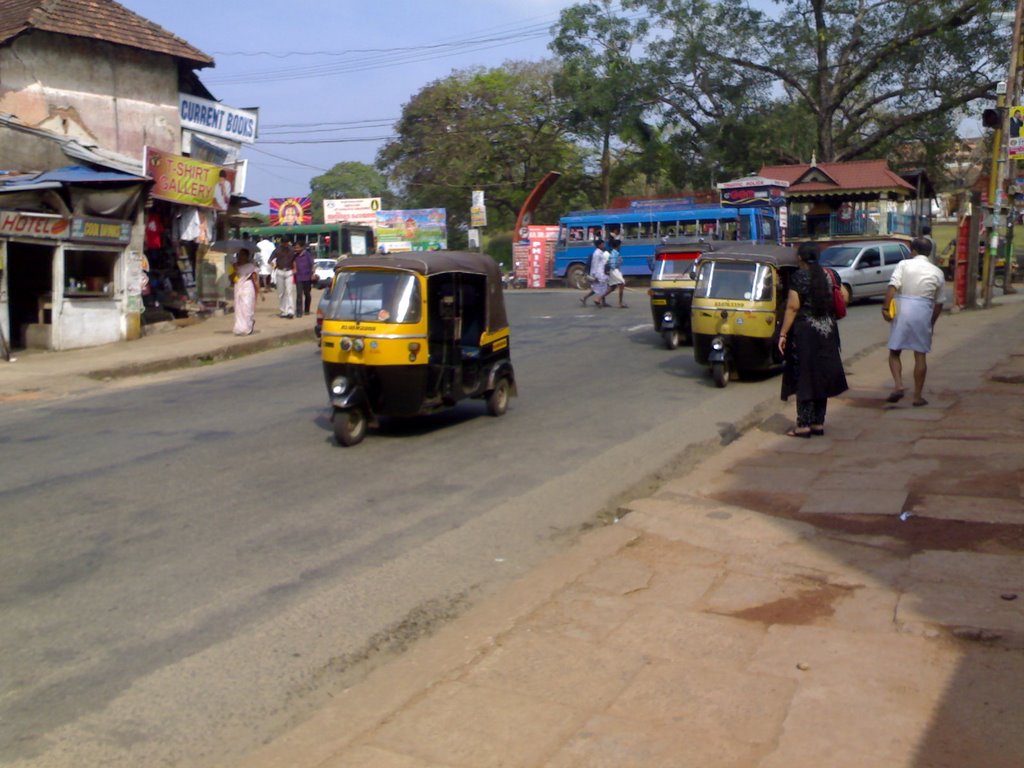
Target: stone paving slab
x,y
970,508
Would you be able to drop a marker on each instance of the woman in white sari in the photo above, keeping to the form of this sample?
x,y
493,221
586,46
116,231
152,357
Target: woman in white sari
x,y
246,288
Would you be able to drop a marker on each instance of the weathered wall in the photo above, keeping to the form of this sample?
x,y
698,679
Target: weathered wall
x,y
121,98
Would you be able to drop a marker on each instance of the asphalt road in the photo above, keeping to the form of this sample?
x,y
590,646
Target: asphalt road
x,y
189,564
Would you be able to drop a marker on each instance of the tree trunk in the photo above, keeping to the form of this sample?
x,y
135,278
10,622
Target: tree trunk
x,y
606,167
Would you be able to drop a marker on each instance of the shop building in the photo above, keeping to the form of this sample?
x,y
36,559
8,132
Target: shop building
x,y
90,90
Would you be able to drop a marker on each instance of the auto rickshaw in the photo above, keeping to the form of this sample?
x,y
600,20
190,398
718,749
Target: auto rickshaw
x,y
738,304
673,277
413,333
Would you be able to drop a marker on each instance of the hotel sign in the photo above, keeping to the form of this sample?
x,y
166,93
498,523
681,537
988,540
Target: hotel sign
x,y
14,224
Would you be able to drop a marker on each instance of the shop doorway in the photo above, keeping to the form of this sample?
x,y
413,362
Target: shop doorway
x,y
29,291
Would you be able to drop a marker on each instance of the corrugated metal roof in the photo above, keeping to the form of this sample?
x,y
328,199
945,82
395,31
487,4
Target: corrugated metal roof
x,y
95,19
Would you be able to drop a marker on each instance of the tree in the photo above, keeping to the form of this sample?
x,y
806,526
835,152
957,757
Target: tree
x,y
867,74
600,80
346,180
497,130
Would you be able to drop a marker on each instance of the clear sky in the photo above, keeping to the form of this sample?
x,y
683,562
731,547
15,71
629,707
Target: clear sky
x,y
341,71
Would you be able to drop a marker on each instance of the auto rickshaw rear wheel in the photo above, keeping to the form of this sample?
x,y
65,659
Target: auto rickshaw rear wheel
x,y
497,398
349,426
720,373
671,338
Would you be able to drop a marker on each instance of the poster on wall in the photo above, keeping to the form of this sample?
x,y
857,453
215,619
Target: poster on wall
x,y
290,211
424,229
189,182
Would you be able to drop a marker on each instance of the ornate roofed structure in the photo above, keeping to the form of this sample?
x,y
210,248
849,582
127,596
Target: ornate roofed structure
x,y
856,180
97,20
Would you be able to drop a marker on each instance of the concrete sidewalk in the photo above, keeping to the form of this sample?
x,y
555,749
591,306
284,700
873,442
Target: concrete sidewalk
x,y
37,375
771,608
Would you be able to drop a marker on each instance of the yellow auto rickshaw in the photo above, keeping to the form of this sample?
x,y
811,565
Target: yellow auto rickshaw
x,y
411,334
738,304
673,277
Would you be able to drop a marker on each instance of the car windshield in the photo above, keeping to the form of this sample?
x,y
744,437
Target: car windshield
x,y
733,280
672,269
325,264
374,296
839,256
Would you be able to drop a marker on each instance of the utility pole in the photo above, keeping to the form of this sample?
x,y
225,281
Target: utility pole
x,y
1001,166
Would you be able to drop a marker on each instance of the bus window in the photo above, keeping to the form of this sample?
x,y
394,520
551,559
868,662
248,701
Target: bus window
x,y
630,232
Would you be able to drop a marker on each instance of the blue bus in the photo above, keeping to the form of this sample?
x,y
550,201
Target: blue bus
x,y
649,223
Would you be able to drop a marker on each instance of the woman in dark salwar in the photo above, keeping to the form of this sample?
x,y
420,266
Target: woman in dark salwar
x,y
809,341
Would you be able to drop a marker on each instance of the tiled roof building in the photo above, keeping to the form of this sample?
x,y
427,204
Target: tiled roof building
x,y
94,19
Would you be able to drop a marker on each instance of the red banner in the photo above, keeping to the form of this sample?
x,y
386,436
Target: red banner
x,y
960,274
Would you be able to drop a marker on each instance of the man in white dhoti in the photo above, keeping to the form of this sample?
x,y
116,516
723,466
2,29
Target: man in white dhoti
x,y
917,286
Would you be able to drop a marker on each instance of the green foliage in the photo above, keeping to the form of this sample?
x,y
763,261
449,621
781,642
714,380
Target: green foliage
x,y
497,130
499,247
347,180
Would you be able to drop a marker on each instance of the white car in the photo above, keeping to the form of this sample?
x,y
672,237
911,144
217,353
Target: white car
x,y
323,272
865,268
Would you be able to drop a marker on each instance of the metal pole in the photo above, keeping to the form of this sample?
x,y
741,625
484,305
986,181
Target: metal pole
x,y
993,203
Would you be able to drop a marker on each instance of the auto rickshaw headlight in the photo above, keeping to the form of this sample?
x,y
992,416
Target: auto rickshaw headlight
x,y
358,345
339,385
667,318
717,344
345,344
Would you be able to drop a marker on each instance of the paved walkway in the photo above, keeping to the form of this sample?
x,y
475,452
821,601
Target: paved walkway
x,y
771,608
850,600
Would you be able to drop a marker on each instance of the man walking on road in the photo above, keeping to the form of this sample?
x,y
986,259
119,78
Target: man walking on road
x,y
283,260
303,279
917,286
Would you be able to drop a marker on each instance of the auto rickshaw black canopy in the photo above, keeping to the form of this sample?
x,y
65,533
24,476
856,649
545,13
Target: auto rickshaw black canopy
x,y
431,263
765,253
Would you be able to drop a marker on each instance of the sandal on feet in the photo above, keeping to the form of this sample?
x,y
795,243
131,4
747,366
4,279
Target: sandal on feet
x,y
919,402
895,396
583,301
794,432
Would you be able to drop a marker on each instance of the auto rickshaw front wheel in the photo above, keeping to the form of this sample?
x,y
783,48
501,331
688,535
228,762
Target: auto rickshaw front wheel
x,y
720,374
349,425
497,398
671,338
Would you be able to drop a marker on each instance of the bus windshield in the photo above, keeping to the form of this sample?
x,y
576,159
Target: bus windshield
x,y
372,296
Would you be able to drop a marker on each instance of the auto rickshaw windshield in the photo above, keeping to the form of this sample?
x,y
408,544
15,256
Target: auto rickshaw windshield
x,y
672,269
374,296
744,281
